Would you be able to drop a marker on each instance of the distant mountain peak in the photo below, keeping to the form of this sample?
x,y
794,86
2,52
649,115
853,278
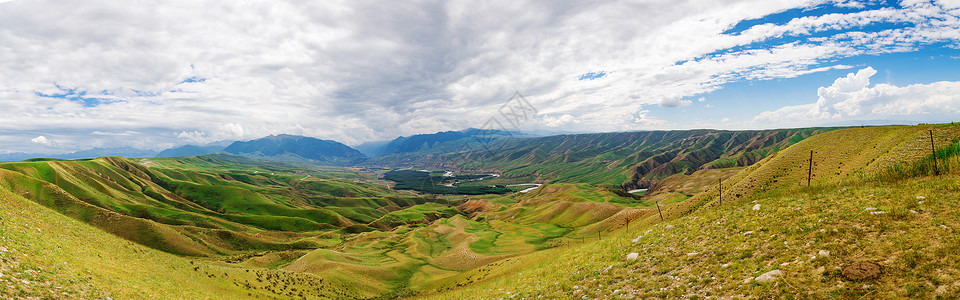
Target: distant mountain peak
x,y
295,147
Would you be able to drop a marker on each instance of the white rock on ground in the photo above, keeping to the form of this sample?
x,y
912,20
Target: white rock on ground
x,y
769,276
748,280
823,253
870,209
637,240
756,207
633,256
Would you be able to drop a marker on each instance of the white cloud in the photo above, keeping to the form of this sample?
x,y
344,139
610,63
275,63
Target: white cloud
x,y
851,98
562,120
41,140
674,102
202,71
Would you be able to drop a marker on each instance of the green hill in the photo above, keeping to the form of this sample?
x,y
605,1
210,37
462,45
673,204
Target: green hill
x,y
860,211
630,159
220,226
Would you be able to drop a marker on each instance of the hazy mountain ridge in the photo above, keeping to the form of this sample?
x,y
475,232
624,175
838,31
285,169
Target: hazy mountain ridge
x,y
439,142
285,147
82,154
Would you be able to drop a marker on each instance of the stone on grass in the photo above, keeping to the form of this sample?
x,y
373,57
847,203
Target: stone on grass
x,y
748,280
823,253
668,227
633,256
637,240
769,276
756,207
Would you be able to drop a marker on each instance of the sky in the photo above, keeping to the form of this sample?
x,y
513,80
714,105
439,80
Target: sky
x,y
147,74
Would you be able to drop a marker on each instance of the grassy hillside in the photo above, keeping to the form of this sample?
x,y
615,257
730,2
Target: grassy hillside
x,y
234,227
283,223
770,220
47,255
218,205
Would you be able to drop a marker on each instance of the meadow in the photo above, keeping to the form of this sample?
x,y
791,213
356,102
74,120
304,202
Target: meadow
x,y
221,226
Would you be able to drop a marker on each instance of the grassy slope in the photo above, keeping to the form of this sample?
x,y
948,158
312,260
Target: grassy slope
x,y
45,254
706,249
242,214
201,206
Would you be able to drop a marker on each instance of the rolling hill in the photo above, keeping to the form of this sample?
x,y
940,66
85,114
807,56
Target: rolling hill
x,y
230,226
874,222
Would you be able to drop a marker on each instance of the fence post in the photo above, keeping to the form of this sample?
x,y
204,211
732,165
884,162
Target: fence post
x,y
720,187
810,168
933,151
658,211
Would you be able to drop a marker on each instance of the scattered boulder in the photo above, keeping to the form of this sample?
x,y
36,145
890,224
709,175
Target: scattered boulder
x,y
769,276
860,271
823,253
748,280
637,240
633,256
870,209
756,207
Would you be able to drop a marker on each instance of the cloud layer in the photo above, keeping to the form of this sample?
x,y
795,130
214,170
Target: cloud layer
x,y
153,74
851,98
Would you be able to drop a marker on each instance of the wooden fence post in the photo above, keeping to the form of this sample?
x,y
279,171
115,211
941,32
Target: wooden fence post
x,y
810,168
720,187
933,151
658,211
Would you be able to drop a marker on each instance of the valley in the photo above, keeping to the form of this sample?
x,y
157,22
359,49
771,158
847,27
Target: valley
x,y
225,226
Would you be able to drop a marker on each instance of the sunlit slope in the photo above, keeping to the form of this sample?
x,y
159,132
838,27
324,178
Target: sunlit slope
x,y
196,211
810,234
44,254
842,156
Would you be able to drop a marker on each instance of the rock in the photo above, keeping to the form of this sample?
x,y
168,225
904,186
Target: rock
x,y
694,253
633,256
870,209
748,280
724,265
769,276
921,197
823,253
913,211
756,207
668,227
879,212
860,271
748,233
637,240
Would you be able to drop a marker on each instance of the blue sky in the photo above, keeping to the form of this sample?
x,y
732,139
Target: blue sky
x,y
157,74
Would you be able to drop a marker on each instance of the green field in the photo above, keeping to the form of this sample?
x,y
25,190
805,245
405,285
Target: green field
x,y
219,226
